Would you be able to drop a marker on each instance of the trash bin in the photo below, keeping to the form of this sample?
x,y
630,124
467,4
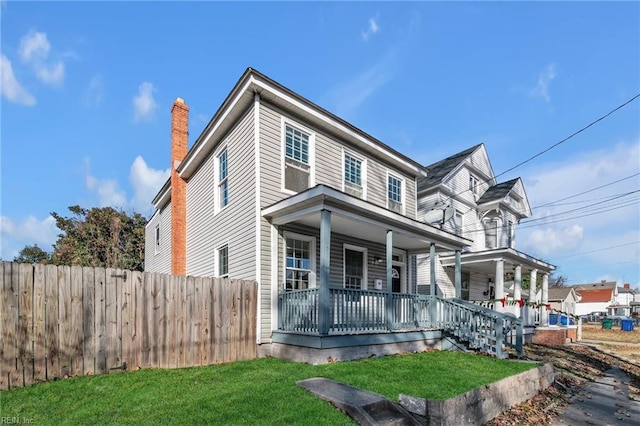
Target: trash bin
x,y
627,324
564,320
607,323
553,319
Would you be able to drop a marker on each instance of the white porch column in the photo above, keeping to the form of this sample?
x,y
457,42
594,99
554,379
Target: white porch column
x,y
517,289
499,284
389,279
324,296
458,275
432,269
533,295
544,314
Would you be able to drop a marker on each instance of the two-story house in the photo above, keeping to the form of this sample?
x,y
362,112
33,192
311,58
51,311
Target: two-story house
x,y
321,214
461,195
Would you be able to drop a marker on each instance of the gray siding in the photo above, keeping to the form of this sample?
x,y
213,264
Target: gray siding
x,y
445,286
158,261
234,224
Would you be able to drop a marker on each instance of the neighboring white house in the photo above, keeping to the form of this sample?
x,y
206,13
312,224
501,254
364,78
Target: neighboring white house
x,y
623,303
460,194
595,297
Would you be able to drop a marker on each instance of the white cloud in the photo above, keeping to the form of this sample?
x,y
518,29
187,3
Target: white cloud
x,y
34,50
146,183
591,227
143,103
94,91
549,240
51,75
541,90
372,29
12,90
107,190
28,231
34,46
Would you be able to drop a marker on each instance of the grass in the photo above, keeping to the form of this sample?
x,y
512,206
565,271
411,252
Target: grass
x,y
593,331
261,391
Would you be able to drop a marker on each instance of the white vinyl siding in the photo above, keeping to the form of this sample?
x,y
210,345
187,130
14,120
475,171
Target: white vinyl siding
x,y
235,224
158,259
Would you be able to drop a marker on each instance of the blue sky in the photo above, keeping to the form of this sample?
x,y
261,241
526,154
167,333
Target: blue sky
x,y
87,90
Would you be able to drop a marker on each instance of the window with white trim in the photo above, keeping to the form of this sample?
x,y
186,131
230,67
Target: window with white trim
x,y
297,169
353,175
473,184
299,262
157,237
458,222
223,182
223,261
355,267
394,193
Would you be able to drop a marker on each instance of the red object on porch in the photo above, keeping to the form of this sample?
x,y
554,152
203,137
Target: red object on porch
x,y
521,302
503,300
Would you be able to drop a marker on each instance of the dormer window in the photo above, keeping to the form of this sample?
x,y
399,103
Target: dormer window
x,y
473,184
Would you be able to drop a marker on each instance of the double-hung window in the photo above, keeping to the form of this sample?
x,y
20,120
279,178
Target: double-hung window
x,y
394,193
299,263
223,261
353,175
223,182
473,184
297,163
355,268
157,237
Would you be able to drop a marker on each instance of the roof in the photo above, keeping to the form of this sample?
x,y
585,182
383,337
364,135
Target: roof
x,y
596,295
436,172
559,293
498,192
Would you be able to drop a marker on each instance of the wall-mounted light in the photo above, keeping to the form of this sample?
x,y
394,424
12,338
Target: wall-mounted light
x,y
376,260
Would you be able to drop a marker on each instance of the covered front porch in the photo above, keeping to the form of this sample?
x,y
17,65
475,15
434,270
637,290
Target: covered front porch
x,y
495,278
363,290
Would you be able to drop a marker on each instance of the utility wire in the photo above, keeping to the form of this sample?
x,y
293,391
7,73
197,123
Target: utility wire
x,y
549,148
593,251
587,191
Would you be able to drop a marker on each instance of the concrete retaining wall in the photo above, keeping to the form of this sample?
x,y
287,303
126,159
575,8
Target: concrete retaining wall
x,y
483,404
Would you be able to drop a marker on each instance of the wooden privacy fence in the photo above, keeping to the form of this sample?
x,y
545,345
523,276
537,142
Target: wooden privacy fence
x,y
60,321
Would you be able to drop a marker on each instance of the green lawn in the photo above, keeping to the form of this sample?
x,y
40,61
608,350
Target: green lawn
x,y
261,391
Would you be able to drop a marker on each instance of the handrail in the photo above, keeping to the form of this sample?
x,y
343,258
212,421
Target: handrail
x,y
354,311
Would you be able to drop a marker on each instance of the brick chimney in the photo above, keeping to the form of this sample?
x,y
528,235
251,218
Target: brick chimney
x,y
627,286
179,138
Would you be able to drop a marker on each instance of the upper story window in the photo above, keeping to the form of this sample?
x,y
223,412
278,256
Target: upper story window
x,y
297,159
353,175
473,184
458,222
223,182
394,193
157,237
491,232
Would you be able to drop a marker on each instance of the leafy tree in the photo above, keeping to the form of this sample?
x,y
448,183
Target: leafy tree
x,y
32,254
100,237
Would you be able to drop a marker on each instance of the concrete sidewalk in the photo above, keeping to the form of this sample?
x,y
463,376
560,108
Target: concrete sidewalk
x,y
602,402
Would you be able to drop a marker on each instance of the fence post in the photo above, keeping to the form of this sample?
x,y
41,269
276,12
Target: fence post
x,y
499,327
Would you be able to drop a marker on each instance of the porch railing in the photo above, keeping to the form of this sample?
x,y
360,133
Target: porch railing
x,y
365,311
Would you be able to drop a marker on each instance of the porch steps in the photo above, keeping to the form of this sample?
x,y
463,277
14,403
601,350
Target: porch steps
x,y
366,408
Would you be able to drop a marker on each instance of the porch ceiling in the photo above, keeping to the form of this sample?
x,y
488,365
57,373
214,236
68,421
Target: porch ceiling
x,y
361,219
484,261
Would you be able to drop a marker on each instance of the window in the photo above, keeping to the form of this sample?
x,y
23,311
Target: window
x,y
473,184
464,285
509,234
355,274
157,235
457,220
223,183
223,261
297,168
394,191
491,233
300,259
353,175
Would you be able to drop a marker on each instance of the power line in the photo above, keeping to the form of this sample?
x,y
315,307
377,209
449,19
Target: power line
x,y
549,148
570,136
594,251
587,191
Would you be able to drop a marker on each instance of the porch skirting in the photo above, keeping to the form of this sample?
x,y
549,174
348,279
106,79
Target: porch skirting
x,y
316,349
